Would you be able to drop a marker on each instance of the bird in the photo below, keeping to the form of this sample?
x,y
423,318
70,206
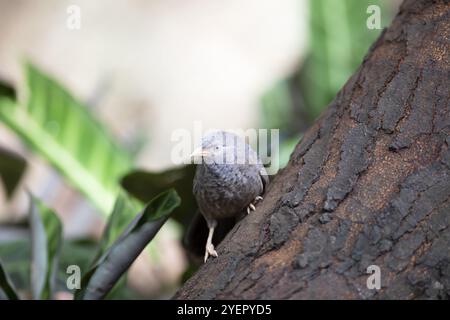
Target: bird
x,y
229,179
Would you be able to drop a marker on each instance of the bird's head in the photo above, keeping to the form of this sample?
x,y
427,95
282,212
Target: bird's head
x,y
219,147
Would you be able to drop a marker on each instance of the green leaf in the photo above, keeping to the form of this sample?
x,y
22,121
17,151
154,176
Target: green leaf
x,y
277,106
286,149
123,213
339,40
145,185
46,240
15,255
6,285
63,130
110,266
12,168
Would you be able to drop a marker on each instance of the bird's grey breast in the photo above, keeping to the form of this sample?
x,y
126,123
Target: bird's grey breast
x,y
224,190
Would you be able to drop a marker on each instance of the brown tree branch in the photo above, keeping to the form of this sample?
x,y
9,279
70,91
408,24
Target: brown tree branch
x,y
368,184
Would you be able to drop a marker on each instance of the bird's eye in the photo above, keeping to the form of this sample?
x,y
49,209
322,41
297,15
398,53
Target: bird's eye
x,y
217,148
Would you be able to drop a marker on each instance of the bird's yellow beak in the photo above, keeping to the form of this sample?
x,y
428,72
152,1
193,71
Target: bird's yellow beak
x,y
199,152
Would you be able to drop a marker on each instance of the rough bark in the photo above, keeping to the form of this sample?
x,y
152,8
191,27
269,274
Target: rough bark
x,y
369,184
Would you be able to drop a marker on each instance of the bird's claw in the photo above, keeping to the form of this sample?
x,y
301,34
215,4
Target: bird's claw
x,y
210,251
251,206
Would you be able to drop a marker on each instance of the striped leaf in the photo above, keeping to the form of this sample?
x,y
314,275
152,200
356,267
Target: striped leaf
x,y
63,130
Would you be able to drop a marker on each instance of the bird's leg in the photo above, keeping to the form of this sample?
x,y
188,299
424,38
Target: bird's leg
x,y
209,246
251,206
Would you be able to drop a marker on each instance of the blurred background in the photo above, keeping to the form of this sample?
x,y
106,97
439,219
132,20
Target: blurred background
x,y
145,68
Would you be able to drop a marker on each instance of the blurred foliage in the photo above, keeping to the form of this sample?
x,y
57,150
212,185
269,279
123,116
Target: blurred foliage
x,y
122,242
7,91
145,185
286,149
114,260
16,259
15,256
276,106
12,168
12,165
74,252
61,129
46,239
7,290
339,39
117,221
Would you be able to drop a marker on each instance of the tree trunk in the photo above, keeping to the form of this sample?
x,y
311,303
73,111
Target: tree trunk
x,y
369,184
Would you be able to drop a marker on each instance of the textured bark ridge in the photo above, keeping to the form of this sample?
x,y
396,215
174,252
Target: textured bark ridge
x,y
368,184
